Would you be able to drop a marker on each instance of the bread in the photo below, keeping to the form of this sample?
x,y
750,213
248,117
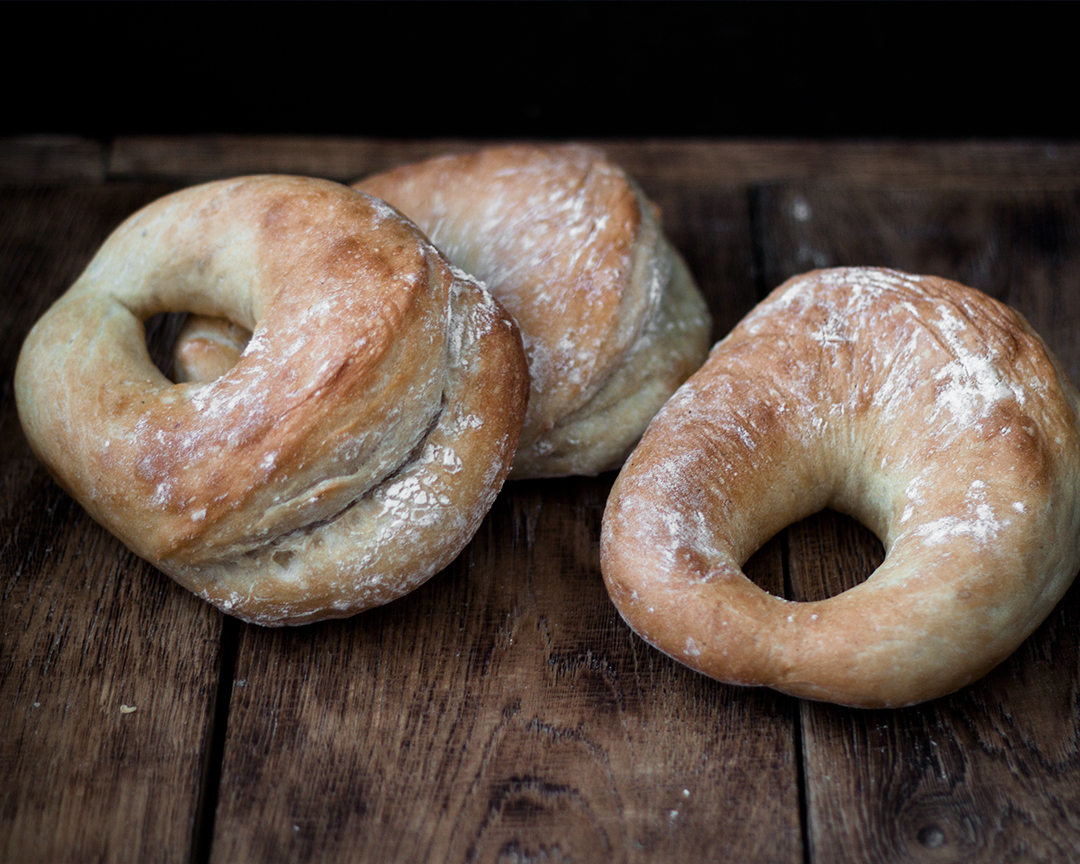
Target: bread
x,y
610,317
925,409
351,452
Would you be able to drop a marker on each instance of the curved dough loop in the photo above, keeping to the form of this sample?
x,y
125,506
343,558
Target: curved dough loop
x,y
350,453
610,317
930,412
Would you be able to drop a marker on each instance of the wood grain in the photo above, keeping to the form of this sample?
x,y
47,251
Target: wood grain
x,y
973,165
950,780
108,669
51,160
502,712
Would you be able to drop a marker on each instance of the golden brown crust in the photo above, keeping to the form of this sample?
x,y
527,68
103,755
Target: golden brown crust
x,y
932,413
364,358
610,318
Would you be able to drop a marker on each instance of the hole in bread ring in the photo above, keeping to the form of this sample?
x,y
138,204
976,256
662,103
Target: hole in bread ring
x,y
928,411
206,348
351,451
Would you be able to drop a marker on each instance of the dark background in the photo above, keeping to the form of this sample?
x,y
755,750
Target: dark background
x,y
542,70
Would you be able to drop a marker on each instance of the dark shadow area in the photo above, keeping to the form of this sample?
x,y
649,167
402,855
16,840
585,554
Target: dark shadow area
x,y
210,786
161,332
540,70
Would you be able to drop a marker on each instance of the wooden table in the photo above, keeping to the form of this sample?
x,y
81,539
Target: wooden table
x,y
503,712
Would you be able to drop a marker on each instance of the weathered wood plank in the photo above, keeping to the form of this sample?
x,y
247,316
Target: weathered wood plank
x,y
200,158
88,632
991,773
500,711
51,160
868,165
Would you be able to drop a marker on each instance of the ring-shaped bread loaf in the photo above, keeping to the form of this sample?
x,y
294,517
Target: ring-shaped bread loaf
x,y
927,410
610,317
348,455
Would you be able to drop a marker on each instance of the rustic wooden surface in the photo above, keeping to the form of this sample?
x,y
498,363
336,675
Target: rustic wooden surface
x,y
503,712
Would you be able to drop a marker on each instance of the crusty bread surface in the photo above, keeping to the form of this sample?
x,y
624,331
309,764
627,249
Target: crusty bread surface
x,y
350,452
925,409
611,319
